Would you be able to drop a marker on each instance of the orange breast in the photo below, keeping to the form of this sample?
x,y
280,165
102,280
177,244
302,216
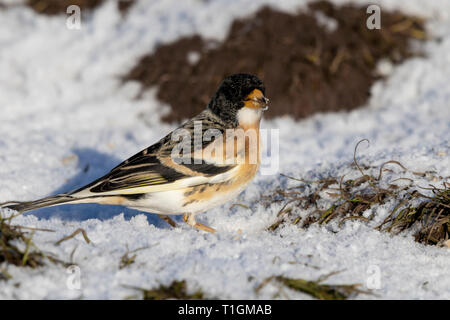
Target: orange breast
x,y
248,161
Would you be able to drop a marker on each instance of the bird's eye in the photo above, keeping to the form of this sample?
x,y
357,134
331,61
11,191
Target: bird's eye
x,y
262,100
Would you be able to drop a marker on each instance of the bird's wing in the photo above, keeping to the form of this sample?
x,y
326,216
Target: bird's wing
x,y
156,169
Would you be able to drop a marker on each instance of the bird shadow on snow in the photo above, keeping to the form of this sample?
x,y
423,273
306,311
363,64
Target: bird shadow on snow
x,y
92,165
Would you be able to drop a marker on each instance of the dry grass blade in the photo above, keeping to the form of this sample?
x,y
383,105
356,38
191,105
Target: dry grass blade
x,y
316,289
35,229
176,290
327,214
354,155
280,216
387,162
353,218
79,230
127,260
239,205
322,291
309,181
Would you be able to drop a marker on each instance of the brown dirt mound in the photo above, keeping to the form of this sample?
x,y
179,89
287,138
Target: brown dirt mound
x,y
54,7
306,68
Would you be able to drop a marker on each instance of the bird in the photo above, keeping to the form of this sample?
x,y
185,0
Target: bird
x,y
218,156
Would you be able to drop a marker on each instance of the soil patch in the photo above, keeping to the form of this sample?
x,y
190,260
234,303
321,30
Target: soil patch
x,y
315,61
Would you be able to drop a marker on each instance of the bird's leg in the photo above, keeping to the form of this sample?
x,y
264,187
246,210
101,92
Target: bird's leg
x,y
189,218
168,220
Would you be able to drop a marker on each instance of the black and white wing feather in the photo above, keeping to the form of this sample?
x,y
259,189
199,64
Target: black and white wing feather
x,y
154,169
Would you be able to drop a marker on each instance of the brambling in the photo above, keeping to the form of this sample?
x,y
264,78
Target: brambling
x,y
217,158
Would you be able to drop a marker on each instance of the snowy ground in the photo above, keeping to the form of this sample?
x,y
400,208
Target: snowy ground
x,y
65,120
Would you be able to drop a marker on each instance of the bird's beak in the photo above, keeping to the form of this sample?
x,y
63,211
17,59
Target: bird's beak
x,y
260,103
264,102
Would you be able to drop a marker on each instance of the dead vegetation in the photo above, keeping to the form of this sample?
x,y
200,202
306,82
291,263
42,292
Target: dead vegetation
x,y
432,214
175,290
350,199
17,247
307,65
317,288
72,235
129,257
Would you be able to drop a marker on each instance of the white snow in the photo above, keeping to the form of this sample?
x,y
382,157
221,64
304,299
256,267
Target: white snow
x,y
65,120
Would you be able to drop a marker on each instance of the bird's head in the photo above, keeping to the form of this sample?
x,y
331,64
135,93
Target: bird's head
x,y
240,97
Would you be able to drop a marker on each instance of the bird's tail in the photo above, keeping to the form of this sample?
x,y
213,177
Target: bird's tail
x,y
45,202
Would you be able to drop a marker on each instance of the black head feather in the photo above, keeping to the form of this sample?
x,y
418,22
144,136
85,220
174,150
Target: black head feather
x,y
230,96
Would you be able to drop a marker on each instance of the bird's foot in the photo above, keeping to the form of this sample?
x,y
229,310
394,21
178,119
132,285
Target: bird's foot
x,y
189,218
168,220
